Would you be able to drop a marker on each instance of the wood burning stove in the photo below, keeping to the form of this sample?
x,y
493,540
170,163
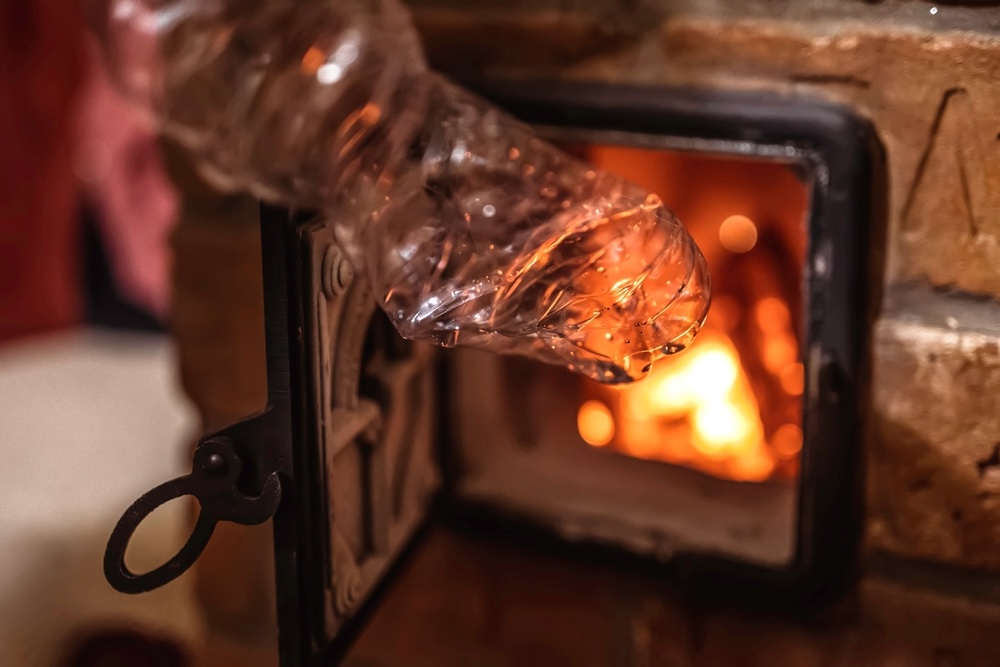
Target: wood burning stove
x,y
741,468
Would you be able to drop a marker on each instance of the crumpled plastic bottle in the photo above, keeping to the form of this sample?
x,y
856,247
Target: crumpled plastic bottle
x,y
470,229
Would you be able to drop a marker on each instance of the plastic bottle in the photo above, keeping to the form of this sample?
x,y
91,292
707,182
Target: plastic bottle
x,y
470,230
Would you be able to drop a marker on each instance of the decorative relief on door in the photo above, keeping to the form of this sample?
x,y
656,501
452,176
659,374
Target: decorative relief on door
x,y
375,426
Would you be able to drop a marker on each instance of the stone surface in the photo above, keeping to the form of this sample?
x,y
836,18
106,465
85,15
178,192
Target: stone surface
x,y
930,92
934,460
929,96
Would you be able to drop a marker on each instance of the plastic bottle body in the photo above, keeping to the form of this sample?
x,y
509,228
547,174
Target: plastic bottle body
x,y
470,229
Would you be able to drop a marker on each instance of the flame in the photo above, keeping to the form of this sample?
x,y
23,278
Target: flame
x,y
699,409
707,408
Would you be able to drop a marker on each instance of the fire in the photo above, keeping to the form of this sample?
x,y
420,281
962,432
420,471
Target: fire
x,y
698,409
731,404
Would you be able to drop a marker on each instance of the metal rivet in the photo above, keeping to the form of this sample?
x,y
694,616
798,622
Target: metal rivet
x,y
215,463
337,272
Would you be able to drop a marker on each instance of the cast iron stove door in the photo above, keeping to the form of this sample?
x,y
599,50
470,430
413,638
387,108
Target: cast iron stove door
x,y
365,462
342,456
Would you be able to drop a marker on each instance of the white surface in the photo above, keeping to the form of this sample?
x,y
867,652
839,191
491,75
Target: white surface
x,y
88,421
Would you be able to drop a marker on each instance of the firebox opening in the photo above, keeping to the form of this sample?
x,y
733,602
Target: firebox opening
x,y
731,405
704,453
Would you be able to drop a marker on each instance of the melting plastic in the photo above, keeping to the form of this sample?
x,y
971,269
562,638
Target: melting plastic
x,y
470,229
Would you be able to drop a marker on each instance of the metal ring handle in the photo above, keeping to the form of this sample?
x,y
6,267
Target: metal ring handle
x,y
213,483
117,572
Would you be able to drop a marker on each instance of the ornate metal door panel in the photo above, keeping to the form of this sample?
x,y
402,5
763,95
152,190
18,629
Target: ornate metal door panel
x,y
373,399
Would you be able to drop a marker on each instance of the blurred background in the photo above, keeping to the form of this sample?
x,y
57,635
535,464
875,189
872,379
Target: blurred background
x,y
91,410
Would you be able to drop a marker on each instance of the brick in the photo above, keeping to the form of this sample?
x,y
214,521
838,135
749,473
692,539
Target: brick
x,y
934,462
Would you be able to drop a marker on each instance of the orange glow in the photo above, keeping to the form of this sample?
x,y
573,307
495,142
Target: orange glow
x,y
753,468
787,441
726,312
704,378
730,403
699,408
793,379
696,408
595,423
738,234
313,60
780,352
723,428
772,315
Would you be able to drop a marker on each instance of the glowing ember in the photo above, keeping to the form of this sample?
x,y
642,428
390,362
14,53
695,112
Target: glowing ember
x,y
793,379
787,441
772,316
738,234
595,423
703,377
780,352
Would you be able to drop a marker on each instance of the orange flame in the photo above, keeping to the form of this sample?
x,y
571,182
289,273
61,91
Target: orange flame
x,y
699,409
707,408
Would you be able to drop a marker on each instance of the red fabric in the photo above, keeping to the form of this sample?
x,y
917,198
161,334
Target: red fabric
x,y
41,48
118,160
